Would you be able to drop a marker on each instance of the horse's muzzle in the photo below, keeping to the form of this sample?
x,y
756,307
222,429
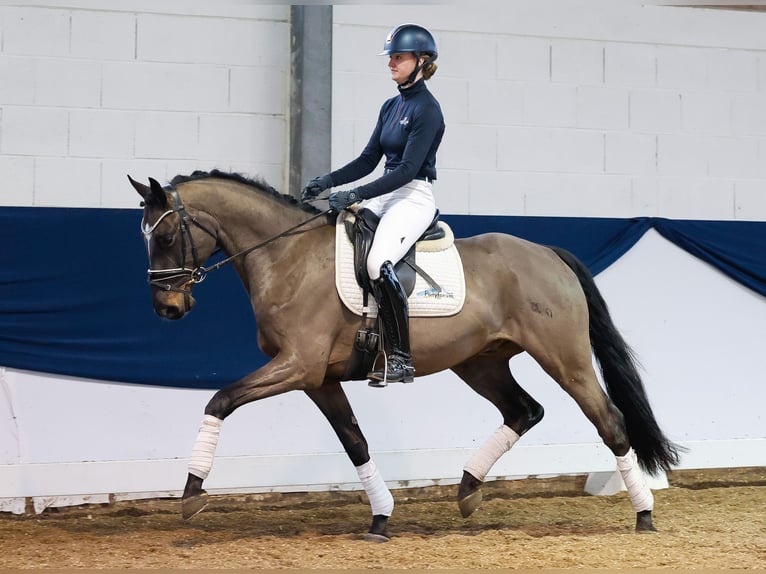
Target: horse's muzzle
x,y
173,305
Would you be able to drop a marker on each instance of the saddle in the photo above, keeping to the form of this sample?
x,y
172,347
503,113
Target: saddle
x,y
361,232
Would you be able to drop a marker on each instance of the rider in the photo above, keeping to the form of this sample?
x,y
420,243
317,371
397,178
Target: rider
x,y
408,132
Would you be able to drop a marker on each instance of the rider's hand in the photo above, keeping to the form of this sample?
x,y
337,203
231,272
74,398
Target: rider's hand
x,y
340,200
316,186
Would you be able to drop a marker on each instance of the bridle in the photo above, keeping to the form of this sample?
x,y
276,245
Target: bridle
x,y
180,279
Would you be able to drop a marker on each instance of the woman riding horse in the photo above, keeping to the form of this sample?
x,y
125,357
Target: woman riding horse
x,y
408,132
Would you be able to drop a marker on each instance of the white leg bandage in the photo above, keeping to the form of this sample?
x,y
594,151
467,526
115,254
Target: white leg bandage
x,y
638,490
496,446
381,500
201,460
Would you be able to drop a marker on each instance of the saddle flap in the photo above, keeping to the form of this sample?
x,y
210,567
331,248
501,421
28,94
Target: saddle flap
x,y
361,232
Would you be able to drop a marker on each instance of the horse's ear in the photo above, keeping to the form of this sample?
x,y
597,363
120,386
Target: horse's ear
x,y
153,195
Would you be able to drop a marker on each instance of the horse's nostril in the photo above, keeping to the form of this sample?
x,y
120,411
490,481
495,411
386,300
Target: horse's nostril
x,y
170,312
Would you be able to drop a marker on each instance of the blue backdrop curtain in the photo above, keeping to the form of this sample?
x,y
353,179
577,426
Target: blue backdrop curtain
x,y
74,298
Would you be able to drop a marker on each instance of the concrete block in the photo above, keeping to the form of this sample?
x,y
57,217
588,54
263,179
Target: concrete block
x,y
577,195
748,114
35,31
67,182
495,102
453,96
496,193
103,35
166,135
368,92
682,155
522,58
236,138
475,57
655,111
67,83
549,104
102,133
34,131
695,198
229,41
735,158
452,190
644,196
630,153
550,150
469,147
679,67
345,146
18,177
259,90
602,108
706,113
577,61
732,70
761,72
750,200
148,86
633,65
18,84
355,49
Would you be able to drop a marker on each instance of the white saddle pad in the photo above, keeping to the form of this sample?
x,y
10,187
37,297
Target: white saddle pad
x,y
440,259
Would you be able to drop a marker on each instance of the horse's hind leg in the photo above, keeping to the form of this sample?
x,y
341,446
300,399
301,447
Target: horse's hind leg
x,y
333,403
492,379
581,383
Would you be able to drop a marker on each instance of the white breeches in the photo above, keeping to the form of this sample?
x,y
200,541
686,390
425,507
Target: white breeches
x,y
405,214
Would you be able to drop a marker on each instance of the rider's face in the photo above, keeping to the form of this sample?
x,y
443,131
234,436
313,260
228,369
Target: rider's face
x,y
401,66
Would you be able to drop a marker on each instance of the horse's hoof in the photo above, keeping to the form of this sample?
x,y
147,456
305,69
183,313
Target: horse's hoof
x,y
193,505
644,522
470,503
378,531
371,537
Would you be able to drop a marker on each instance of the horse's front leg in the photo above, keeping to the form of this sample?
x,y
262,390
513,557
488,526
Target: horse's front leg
x,y
278,376
332,401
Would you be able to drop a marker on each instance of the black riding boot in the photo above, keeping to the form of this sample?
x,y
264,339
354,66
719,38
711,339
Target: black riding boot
x,y
393,310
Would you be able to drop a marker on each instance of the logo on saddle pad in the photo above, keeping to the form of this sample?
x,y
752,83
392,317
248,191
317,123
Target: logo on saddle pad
x,y
438,258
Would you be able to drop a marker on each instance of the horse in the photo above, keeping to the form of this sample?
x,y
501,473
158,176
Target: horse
x,y
521,297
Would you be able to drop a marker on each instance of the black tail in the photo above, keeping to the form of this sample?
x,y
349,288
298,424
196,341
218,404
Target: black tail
x,y
623,382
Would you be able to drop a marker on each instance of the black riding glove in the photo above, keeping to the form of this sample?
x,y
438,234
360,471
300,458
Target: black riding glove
x,y
340,200
316,186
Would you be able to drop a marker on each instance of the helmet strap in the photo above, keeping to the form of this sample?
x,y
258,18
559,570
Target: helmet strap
x,y
414,74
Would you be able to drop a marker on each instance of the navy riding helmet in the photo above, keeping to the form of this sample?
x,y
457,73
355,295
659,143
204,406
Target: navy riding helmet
x,y
410,38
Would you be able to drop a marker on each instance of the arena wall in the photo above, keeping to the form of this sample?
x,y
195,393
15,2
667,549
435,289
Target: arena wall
x,y
574,109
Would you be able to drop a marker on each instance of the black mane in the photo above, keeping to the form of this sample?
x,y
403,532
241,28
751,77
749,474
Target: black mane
x,y
257,184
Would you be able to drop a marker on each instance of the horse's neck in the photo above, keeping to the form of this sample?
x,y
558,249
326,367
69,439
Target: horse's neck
x,y
251,219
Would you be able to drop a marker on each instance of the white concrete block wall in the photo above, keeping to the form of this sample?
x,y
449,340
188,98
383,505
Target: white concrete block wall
x,y
90,93
580,108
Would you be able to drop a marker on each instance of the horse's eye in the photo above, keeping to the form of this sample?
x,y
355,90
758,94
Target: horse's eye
x,y
165,239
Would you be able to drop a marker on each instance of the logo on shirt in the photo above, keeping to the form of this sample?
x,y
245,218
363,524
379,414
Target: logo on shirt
x,y
405,121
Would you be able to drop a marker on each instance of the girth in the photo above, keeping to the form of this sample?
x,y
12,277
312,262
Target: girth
x,y
361,232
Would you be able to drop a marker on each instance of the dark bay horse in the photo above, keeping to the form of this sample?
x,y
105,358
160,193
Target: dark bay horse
x,y
520,297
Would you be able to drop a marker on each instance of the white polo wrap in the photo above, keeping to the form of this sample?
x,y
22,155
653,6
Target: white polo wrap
x,y
381,500
496,446
640,494
201,460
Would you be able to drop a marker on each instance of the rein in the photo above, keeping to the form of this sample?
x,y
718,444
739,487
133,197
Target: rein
x,y
197,274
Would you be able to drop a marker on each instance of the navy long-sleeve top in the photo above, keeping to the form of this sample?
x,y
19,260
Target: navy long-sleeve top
x,y
408,132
